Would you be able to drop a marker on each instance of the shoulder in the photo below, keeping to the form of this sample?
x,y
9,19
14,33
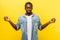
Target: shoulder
x,y
20,17
36,16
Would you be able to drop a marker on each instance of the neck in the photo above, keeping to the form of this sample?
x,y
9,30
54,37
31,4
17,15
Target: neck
x,y
28,14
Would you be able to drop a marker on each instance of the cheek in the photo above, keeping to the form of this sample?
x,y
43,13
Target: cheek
x,y
28,8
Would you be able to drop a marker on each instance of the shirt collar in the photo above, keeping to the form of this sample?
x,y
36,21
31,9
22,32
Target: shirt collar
x,y
25,15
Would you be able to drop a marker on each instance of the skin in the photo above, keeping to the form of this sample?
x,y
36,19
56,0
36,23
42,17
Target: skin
x,y
28,9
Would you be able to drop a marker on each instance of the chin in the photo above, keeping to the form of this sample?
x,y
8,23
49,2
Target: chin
x,y
28,12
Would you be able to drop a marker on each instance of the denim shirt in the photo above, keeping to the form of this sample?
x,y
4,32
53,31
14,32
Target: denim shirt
x,y
22,24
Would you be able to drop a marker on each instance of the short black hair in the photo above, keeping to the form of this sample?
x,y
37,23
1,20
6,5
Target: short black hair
x,y
28,3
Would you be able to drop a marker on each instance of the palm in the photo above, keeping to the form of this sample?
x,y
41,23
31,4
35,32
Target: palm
x,y
6,18
52,20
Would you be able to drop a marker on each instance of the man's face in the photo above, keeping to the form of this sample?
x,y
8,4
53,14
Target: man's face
x,y
28,8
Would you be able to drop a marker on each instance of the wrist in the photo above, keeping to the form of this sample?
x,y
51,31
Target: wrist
x,y
9,21
49,22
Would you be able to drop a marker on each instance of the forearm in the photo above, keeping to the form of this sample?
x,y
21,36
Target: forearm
x,y
45,25
49,22
13,25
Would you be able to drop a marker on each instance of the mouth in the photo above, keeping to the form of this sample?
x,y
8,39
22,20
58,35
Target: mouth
x,y
28,11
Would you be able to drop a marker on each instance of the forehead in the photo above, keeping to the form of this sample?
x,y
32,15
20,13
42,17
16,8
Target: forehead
x,y
28,5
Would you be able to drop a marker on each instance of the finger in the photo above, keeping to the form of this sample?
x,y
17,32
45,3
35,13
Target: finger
x,y
5,17
54,19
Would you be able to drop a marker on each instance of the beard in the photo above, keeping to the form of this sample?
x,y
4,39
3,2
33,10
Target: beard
x,y
29,12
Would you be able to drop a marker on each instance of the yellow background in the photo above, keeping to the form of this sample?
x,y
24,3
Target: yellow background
x,y
45,9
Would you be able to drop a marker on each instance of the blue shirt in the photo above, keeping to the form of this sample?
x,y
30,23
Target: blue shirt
x,y
22,24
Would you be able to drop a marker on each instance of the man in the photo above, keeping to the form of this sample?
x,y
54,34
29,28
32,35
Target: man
x,y
29,23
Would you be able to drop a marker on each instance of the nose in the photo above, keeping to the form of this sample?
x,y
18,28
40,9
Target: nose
x,y
29,8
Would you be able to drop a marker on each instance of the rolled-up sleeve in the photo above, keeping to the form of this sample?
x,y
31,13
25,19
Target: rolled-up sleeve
x,y
39,25
18,24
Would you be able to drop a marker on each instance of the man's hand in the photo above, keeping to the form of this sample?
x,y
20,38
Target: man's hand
x,y
46,24
52,20
6,18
